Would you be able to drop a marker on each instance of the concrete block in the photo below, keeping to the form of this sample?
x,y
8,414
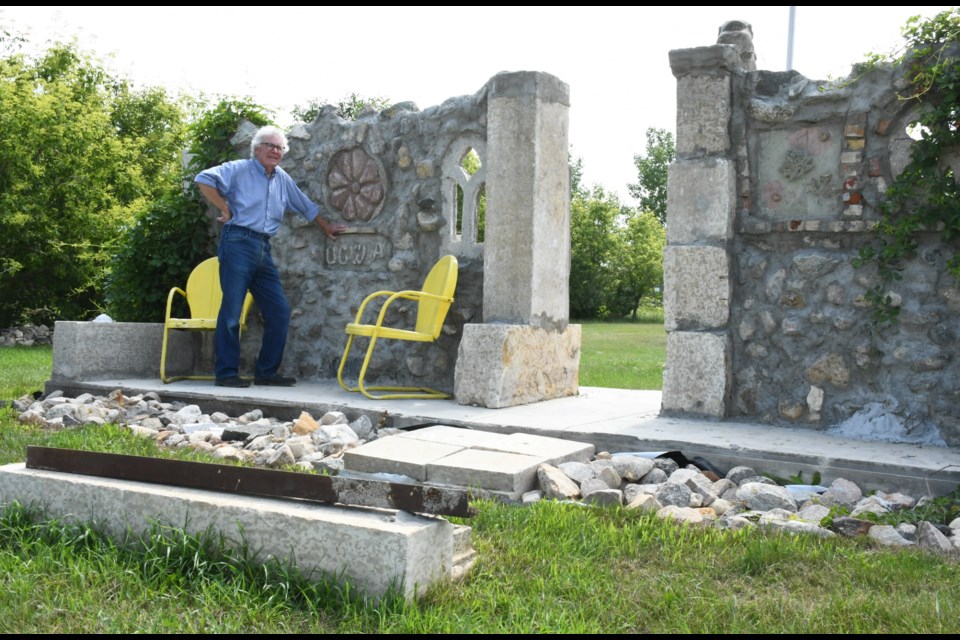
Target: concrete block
x,y
471,459
555,450
85,351
697,287
455,436
396,454
373,549
703,115
527,230
99,350
701,198
507,365
697,374
798,176
712,59
509,474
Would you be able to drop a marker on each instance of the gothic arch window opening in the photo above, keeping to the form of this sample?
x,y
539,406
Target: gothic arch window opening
x,y
465,180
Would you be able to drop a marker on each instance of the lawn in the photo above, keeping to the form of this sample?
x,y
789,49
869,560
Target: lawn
x,y
618,355
547,568
622,355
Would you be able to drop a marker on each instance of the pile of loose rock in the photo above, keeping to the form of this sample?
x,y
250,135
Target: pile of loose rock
x,y
26,336
742,498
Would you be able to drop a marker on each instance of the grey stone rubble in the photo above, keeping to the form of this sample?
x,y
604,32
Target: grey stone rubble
x,y
686,495
26,336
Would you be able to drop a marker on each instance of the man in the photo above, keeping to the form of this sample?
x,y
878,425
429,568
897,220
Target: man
x,y
252,196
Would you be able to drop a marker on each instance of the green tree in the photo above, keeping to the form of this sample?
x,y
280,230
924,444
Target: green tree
x,y
348,108
159,249
151,126
471,164
593,218
639,265
80,152
576,176
651,186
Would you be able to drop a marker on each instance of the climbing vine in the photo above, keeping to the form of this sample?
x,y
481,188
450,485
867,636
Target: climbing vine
x,y
925,197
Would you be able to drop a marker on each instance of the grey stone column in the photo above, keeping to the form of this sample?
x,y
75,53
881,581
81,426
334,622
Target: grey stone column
x,y
701,201
525,351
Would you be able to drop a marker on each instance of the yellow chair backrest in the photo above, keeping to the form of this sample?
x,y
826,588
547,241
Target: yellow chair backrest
x,y
204,295
203,289
441,281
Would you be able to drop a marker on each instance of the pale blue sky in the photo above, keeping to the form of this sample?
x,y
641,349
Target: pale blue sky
x,y
615,59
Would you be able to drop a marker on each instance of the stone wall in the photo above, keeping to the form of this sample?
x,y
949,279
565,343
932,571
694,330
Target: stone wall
x,y
399,180
392,177
774,190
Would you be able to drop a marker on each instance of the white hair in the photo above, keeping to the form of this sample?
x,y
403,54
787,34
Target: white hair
x,y
265,132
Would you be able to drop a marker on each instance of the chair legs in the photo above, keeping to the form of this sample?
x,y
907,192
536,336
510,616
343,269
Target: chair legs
x,y
163,364
163,359
399,391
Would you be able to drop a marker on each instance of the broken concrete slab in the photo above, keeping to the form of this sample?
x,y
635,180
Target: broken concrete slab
x,y
504,465
555,450
454,435
497,472
376,550
395,454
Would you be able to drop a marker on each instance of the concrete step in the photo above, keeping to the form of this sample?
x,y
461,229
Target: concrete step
x,y
464,555
374,549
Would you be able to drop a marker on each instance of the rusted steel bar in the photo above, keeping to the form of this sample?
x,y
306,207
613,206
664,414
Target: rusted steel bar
x,y
269,483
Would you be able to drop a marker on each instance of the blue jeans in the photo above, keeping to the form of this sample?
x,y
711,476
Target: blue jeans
x,y
246,265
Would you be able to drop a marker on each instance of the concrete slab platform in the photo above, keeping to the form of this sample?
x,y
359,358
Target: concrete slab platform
x,y
476,460
455,436
492,472
554,450
374,549
396,454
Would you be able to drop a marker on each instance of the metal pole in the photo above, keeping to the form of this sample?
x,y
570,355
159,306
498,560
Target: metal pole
x,y
790,28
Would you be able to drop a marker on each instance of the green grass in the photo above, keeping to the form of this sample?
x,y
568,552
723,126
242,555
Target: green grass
x,y
547,568
24,370
617,355
623,355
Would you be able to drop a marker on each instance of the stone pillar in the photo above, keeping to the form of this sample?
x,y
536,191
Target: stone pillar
x,y
701,203
525,351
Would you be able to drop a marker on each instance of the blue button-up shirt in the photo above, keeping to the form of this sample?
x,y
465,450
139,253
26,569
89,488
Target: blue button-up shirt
x,y
258,201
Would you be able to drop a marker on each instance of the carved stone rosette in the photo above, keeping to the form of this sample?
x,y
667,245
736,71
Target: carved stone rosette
x,y
356,185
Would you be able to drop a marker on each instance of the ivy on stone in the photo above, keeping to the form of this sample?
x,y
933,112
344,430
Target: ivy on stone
x,y
925,197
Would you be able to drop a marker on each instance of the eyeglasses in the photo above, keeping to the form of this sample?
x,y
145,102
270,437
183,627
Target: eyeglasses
x,y
274,147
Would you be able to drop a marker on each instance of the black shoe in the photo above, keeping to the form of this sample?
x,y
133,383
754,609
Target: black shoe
x,y
276,381
235,381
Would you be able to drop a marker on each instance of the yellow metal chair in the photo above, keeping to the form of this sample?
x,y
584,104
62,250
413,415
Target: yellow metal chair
x,y
203,296
433,302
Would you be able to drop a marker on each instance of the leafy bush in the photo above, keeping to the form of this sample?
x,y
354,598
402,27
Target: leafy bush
x,y
348,108
159,250
171,235
214,125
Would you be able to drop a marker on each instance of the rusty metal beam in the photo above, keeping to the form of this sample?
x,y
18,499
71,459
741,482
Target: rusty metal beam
x,y
269,483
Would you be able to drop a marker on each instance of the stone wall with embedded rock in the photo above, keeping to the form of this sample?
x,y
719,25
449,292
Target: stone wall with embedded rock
x,y
399,180
483,177
776,186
